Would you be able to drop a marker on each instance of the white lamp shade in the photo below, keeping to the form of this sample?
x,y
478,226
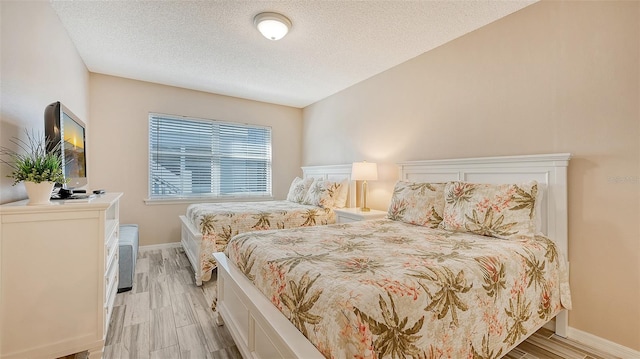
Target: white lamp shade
x,y
271,25
364,171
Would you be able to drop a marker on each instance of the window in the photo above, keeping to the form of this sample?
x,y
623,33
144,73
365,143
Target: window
x,y
191,157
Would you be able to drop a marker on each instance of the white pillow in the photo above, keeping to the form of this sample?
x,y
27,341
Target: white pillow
x,y
298,190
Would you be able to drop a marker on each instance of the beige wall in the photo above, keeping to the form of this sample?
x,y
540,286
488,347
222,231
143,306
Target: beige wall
x,y
553,77
119,153
38,65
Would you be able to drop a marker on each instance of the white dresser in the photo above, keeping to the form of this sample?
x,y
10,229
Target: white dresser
x,y
59,276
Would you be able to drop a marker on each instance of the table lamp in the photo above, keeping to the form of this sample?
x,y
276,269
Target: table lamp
x,y
364,171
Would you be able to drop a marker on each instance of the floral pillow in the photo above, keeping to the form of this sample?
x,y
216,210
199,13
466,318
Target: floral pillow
x,y
539,208
503,211
323,193
417,203
298,190
343,193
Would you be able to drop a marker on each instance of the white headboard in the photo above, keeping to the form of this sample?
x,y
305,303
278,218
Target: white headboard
x,y
335,173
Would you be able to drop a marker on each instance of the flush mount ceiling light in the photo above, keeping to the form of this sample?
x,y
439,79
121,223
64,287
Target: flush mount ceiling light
x,y
272,25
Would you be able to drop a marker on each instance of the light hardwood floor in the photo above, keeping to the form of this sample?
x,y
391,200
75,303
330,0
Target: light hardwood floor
x,y
166,316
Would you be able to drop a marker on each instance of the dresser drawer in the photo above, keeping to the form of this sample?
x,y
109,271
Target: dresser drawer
x,y
111,278
111,285
110,248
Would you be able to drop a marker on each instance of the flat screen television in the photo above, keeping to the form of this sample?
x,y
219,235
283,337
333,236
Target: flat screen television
x,y
62,126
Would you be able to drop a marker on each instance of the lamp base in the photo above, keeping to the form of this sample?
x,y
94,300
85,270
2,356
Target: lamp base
x,y
365,209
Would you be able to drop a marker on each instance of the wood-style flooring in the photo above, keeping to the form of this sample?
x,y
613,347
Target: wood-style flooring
x,y
166,316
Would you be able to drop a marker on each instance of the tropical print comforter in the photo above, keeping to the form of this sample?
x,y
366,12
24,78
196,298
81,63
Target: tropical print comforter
x,y
218,222
388,289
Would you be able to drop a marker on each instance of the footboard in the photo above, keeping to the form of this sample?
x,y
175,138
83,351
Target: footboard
x,y
258,328
191,240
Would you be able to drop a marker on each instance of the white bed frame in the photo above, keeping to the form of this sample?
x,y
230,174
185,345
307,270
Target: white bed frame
x,y
191,238
261,331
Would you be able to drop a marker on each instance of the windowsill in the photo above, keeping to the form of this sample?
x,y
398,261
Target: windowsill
x,y
190,200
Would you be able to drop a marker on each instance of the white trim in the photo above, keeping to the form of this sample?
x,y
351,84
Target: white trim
x,y
154,247
602,344
551,159
189,200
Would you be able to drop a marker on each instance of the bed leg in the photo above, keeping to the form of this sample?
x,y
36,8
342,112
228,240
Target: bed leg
x,y
562,323
219,320
198,280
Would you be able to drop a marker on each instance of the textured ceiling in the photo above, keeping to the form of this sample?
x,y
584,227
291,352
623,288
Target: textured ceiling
x,y
213,46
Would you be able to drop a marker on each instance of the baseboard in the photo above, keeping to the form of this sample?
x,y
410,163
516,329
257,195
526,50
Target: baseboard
x,y
602,344
596,342
153,247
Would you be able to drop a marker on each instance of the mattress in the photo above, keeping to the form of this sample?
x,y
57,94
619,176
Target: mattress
x,y
383,288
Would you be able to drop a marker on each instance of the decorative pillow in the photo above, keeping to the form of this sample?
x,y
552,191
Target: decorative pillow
x,y
299,188
323,193
341,198
502,211
417,203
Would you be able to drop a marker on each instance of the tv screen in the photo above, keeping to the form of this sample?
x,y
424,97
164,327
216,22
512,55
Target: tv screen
x,y
62,126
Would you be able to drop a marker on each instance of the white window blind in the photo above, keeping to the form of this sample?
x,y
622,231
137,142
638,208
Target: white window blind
x,y
191,157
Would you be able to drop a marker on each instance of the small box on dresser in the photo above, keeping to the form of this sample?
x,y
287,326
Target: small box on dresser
x,y
345,215
59,273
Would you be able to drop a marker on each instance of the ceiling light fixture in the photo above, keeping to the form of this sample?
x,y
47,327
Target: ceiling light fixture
x,y
272,25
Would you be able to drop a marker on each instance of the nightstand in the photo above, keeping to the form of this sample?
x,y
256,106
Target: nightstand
x,y
345,215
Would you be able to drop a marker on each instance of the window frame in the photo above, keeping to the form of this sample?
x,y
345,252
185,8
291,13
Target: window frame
x,y
208,197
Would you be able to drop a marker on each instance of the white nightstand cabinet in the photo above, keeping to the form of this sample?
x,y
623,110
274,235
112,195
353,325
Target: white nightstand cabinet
x,y
345,215
59,273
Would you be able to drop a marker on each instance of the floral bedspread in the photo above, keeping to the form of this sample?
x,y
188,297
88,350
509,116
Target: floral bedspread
x,y
218,222
388,289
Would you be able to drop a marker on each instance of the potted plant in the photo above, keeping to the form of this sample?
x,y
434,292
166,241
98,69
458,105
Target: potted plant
x,y
38,168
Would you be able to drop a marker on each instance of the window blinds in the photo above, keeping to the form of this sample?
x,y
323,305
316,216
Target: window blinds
x,y
191,157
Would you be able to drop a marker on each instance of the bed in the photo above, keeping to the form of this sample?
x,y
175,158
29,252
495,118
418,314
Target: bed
x,y
207,227
457,315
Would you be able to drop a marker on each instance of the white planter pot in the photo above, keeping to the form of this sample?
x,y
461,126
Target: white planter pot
x,y
39,193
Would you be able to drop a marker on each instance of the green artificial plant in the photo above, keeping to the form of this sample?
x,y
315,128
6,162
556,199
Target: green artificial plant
x,y
34,163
